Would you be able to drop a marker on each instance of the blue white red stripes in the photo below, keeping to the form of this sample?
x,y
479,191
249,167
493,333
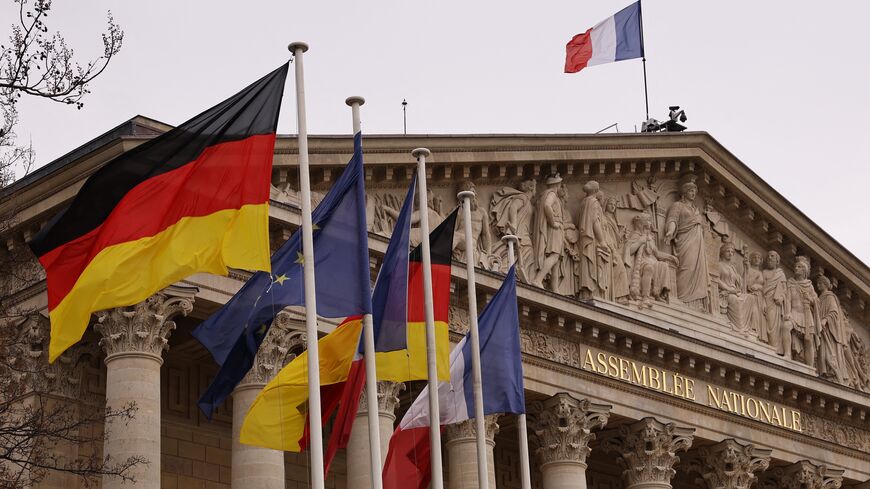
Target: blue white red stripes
x,y
616,38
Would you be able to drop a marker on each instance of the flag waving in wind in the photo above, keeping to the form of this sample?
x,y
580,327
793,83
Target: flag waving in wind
x,y
615,38
407,462
341,262
194,199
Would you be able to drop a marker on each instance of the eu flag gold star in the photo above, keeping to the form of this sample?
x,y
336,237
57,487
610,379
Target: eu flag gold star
x,y
300,259
315,227
261,330
280,279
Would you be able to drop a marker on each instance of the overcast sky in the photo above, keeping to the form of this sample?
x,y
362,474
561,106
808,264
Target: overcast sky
x,y
785,86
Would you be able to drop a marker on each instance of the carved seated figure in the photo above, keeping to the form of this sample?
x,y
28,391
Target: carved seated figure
x,y
650,275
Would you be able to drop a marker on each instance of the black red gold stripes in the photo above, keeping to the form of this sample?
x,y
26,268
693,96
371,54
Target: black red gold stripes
x,y
194,199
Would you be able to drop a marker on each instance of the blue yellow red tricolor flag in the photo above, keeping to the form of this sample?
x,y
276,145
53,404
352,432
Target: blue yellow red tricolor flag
x,y
194,199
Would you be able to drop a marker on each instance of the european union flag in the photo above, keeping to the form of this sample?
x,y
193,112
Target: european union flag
x,y
341,266
390,297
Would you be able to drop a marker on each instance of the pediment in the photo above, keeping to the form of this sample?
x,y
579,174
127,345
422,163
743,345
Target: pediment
x,y
742,266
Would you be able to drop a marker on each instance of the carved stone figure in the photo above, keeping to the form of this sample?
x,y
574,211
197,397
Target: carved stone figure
x,y
772,328
566,271
731,297
387,211
511,211
614,238
857,359
481,240
833,339
684,226
754,306
595,254
651,277
548,232
802,313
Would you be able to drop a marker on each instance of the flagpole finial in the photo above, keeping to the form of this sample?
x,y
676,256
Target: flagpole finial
x,y
465,194
355,100
510,238
424,152
297,45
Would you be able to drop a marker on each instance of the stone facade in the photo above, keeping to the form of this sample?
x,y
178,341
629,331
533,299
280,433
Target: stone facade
x,y
681,324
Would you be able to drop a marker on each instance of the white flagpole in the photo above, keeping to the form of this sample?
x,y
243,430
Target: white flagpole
x,y
369,346
522,428
431,358
476,383
315,444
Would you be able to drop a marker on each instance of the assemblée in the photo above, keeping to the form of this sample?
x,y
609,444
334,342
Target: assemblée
x,y
682,324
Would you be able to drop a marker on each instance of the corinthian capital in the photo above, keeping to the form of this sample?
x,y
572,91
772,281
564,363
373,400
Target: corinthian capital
x,y
727,464
146,326
803,475
275,349
467,430
563,426
648,450
388,398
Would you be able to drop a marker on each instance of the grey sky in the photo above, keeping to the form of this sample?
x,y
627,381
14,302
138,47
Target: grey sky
x,y
783,85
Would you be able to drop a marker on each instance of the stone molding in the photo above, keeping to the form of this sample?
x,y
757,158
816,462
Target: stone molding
x,y
467,430
144,327
563,425
647,450
727,464
803,475
388,398
274,352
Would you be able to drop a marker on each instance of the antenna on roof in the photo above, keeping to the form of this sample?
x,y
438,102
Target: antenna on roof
x,y
405,116
615,124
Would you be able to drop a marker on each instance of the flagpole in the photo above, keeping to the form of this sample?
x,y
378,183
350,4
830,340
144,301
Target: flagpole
x,y
643,57
315,443
431,355
522,428
369,350
477,383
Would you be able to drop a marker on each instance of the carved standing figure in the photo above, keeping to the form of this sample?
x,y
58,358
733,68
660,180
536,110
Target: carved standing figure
x,y
684,226
480,239
548,231
833,338
650,273
615,240
774,291
730,282
566,272
857,360
754,306
802,313
392,207
593,248
511,211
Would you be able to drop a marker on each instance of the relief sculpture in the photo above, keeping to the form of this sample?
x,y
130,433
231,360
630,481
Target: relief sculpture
x,y
647,243
684,226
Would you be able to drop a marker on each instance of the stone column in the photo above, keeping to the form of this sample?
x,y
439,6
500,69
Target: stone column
x,y
803,475
563,428
462,452
358,454
256,467
134,339
727,465
648,452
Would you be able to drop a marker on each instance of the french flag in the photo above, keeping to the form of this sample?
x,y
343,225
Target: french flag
x,y
408,465
616,38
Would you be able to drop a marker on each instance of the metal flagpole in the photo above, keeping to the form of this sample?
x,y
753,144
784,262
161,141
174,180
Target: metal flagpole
x,y
522,429
315,443
431,358
369,346
643,57
476,383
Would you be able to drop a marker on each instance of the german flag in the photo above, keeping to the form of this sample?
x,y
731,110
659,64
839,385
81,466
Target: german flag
x,y
410,364
192,200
